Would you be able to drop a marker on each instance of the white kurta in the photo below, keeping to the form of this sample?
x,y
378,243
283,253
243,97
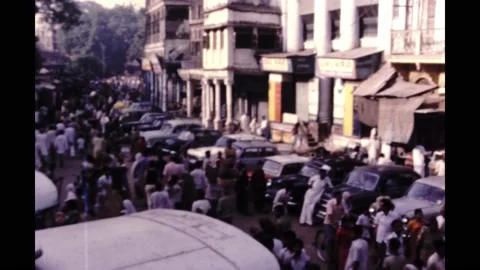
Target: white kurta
x,y
312,195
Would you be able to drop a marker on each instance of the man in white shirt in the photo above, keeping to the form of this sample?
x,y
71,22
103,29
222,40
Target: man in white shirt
x,y
51,134
61,146
440,166
419,160
60,126
437,260
396,233
41,139
263,126
104,120
70,133
244,121
334,212
383,222
199,177
160,199
104,182
358,254
201,205
282,197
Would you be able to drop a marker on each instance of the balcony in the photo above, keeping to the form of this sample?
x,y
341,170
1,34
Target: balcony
x,y
418,46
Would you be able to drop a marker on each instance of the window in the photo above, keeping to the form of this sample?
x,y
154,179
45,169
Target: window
x,y
243,37
251,153
363,180
272,167
206,40
421,191
335,19
269,151
406,179
307,26
368,20
221,38
291,169
268,39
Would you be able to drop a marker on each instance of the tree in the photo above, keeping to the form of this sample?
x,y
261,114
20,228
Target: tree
x,y
59,12
111,36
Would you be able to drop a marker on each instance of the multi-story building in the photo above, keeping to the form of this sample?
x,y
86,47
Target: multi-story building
x,y
167,45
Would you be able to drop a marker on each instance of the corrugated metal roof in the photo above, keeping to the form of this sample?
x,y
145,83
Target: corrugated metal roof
x,y
376,82
352,54
403,89
289,54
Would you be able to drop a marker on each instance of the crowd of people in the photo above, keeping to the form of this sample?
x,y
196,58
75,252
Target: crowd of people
x,y
219,187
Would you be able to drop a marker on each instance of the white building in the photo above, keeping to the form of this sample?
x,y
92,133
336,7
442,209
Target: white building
x,y
45,33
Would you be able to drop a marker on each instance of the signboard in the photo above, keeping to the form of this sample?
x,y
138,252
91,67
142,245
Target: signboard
x,y
336,68
304,64
276,64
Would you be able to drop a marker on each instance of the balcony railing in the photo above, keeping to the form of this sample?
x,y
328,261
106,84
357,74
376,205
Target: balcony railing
x,y
418,42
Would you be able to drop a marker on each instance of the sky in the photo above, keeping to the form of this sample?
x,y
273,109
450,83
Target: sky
x,y
112,3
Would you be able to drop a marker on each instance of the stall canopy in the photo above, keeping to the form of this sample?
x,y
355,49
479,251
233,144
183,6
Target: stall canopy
x,y
376,82
46,194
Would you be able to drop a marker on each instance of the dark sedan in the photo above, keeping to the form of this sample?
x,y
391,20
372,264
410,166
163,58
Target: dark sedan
x,y
146,122
340,167
365,184
188,139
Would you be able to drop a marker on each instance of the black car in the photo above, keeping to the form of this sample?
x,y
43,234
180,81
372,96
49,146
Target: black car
x,y
340,167
146,122
365,184
189,139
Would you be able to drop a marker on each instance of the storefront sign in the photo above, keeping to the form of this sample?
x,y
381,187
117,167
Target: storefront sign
x,y
276,64
350,69
304,64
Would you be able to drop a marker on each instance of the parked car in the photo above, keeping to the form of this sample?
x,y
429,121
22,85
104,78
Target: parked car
x,y
131,115
250,153
365,183
196,154
339,169
282,165
157,123
154,138
427,194
188,139
146,120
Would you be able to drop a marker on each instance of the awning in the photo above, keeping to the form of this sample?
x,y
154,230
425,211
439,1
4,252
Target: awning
x,y
366,110
403,89
356,64
396,118
376,82
427,111
156,65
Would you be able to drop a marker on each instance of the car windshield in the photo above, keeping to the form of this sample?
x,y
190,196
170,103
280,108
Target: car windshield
x,y
308,171
363,180
426,192
272,166
222,141
167,128
157,123
146,119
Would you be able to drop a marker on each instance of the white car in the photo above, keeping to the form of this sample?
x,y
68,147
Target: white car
x,y
151,240
169,128
198,154
281,165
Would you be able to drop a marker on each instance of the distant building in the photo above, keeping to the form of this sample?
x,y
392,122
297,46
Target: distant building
x,y
45,33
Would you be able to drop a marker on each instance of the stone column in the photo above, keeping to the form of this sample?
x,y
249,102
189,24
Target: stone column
x,y
294,29
211,51
163,90
229,94
349,25
204,108
190,97
240,106
218,104
385,16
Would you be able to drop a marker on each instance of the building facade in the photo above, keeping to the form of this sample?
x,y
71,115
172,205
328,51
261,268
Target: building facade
x,y
45,32
167,45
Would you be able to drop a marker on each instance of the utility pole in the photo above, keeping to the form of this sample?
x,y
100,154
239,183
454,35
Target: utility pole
x,y
102,46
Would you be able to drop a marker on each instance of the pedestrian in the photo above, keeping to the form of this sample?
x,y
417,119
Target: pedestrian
x,y
317,184
98,144
286,253
61,147
437,260
395,260
171,168
51,134
282,197
299,259
346,202
70,133
213,193
382,160
160,197
414,227
41,139
259,187
208,162
441,220
343,240
419,160
268,227
176,192
383,222
440,166
296,138
226,206
188,191
105,183
373,147
334,212
199,177
81,145
397,228
201,205
282,222
364,221
128,207
244,121
358,253
101,209
241,187
230,155
219,163
151,180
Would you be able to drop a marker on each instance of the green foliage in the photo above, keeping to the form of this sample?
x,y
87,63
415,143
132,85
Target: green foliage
x,y
110,36
59,12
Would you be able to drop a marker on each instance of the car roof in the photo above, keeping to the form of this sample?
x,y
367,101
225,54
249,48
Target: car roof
x,y
436,181
245,136
181,121
332,161
379,169
251,144
288,159
150,240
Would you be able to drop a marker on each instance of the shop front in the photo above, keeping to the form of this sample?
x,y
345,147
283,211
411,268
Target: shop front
x,y
292,91
348,69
